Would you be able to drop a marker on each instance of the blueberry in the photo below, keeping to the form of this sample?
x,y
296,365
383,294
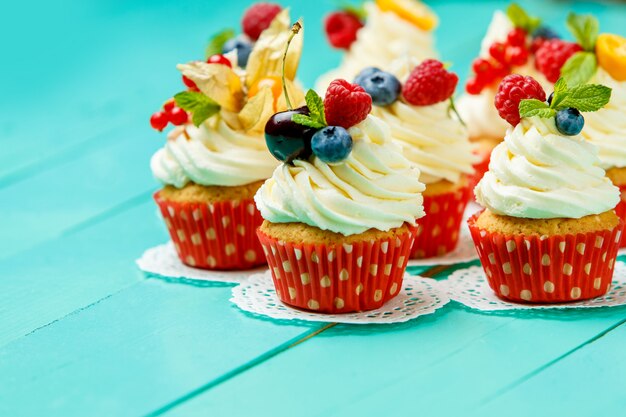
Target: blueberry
x,y
243,47
331,144
569,121
365,72
382,86
546,32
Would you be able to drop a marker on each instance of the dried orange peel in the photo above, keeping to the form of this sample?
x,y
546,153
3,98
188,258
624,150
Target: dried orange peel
x,y
413,11
611,53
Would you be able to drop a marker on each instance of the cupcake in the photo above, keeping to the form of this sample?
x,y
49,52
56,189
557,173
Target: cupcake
x,y
549,233
416,102
340,211
509,46
215,159
377,34
602,60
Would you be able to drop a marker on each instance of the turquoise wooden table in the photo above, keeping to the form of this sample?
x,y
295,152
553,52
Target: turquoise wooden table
x,y
84,333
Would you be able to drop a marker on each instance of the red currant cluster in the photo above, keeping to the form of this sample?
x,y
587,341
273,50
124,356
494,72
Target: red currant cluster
x,y
503,56
171,113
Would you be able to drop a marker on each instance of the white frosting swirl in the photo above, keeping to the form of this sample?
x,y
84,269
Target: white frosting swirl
x,y
606,128
539,173
385,37
214,154
436,142
375,187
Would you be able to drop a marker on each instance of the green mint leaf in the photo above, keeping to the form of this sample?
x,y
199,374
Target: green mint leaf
x,y
316,106
200,106
305,120
587,97
217,41
560,91
534,107
520,19
585,29
579,68
356,10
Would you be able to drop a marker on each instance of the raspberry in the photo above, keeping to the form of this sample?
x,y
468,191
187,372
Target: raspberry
x,y
341,29
552,55
346,104
258,18
429,83
513,89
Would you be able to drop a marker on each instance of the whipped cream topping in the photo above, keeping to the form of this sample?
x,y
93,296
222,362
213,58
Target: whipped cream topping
x,y
606,128
478,110
214,154
375,187
539,173
385,37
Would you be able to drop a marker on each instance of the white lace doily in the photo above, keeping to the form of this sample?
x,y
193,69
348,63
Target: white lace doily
x,y
162,260
465,251
469,287
419,297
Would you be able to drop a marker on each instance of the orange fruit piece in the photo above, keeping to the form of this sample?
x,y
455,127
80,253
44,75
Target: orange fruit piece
x,y
413,11
275,83
611,53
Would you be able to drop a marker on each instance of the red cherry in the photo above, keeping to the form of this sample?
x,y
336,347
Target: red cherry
x,y
498,50
159,121
178,116
189,83
516,37
474,86
219,59
169,105
516,55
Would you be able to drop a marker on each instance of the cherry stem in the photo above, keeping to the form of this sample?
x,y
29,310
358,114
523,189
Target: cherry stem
x,y
294,31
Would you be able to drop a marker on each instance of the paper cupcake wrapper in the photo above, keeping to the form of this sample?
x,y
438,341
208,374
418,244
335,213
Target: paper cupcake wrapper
x,y
439,229
620,210
338,278
542,269
220,235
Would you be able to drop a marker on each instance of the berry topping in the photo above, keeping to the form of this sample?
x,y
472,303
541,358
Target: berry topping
x,y
365,72
219,59
429,83
497,50
258,18
331,144
286,139
513,89
243,47
346,104
169,105
569,121
382,86
516,37
190,84
178,116
545,33
611,53
552,55
341,29
516,55
159,121
412,11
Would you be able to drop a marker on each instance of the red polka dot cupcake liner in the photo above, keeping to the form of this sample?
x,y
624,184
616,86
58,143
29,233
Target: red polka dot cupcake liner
x,y
547,269
439,229
341,278
620,210
219,235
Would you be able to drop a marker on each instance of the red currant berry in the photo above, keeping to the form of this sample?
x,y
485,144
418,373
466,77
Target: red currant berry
x,y
516,55
189,83
498,50
178,116
516,37
159,121
474,86
219,59
536,44
481,65
169,105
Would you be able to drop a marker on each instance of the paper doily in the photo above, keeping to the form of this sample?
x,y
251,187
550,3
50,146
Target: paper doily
x,y
162,260
418,297
469,287
465,251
